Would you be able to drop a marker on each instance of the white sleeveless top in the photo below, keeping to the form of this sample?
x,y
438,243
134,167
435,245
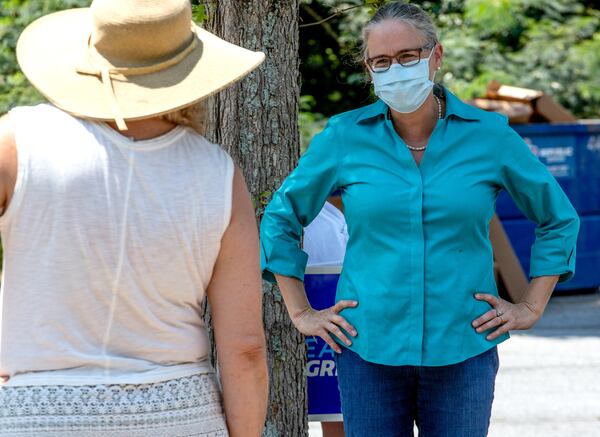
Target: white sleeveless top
x,y
109,245
326,238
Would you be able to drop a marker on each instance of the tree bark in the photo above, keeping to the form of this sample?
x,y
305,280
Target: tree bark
x,y
256,122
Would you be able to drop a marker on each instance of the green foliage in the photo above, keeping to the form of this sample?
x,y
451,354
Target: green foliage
x,y
483,16
199,13
375,4
310,122
333,79
14,16
548,45
264,198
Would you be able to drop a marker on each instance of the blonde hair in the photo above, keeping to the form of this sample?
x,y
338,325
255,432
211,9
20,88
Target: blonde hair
x,y
193,116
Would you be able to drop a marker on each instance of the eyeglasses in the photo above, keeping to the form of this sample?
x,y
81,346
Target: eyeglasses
x,y
406,58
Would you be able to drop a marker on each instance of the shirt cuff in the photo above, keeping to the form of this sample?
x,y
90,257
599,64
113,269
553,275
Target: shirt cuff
x,y
563,274
286,261
564,270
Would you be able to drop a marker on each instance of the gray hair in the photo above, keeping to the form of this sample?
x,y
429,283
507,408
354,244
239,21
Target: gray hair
x,y
404,13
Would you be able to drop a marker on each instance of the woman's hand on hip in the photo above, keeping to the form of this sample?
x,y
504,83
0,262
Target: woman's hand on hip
x,y
504,316
326,322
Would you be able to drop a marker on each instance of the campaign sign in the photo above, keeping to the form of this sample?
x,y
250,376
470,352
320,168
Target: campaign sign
x,y
323,393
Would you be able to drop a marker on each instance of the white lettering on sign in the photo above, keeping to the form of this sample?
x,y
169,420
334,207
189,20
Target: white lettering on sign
x,y
593,144
327,368
555,154
326,351
559,171
312,368
321,368
310,346
317,348
556,158
552,154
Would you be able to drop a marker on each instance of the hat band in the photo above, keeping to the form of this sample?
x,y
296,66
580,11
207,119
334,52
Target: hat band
x,y
106,74
146,69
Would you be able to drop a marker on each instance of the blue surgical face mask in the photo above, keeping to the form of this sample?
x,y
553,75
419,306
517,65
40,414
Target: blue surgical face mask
x,y
404,89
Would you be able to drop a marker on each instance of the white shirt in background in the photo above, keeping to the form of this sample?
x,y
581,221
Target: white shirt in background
x,y
326,237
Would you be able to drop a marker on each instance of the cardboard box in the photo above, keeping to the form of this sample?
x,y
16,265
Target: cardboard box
x,y
551,111
545,109
517,112
497,91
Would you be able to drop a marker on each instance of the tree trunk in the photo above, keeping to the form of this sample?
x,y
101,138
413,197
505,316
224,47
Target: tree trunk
x,y
256,122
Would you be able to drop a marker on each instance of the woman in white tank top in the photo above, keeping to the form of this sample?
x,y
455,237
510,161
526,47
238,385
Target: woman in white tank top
x,y
114,232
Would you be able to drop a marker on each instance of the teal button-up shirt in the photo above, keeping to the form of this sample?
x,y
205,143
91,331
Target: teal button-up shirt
x,y
418,245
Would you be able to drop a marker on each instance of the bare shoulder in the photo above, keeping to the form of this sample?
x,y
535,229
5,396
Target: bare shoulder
x,y
8,161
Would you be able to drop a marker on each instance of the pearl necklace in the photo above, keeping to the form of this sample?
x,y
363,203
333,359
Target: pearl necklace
x,y
420,149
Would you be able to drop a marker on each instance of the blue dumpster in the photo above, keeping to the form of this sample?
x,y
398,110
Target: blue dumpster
x,y
572,154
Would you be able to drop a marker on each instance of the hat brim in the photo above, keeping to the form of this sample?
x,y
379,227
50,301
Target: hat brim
x,y
49,50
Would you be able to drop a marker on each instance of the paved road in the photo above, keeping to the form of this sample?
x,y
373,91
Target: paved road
x,y
549,379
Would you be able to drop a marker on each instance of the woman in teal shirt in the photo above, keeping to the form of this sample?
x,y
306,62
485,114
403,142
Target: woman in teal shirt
x,y
419,172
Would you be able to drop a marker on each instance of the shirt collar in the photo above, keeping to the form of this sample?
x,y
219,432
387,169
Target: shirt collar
x,y
454,107
374,110
458,108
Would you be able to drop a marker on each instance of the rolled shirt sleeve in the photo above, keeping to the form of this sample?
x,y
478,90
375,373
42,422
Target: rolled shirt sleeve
x,y
296,203
539,196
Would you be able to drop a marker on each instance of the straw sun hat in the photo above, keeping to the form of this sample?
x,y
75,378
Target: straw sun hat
x,y
128,59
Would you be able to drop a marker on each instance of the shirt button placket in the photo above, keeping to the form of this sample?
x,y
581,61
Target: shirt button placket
x,y
417,318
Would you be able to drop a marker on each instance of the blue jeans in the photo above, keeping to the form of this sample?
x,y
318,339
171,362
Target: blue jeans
x,y
444,401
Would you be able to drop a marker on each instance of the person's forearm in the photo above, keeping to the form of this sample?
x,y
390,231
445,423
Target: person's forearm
x,y
245,383
324,323
538,293
294,295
